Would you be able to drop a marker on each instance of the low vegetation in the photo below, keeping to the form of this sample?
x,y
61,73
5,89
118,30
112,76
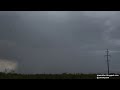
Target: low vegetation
x,y
49,76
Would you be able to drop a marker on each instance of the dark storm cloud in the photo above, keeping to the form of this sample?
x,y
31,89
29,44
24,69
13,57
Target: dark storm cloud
x,y
7,33
56,42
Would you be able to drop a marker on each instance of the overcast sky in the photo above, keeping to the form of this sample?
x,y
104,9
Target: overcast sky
x,y
59,41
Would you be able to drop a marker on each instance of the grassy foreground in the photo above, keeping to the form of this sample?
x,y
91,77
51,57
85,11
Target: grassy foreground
x,y
49,76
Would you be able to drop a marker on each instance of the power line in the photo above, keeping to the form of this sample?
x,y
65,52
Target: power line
x,y
107,55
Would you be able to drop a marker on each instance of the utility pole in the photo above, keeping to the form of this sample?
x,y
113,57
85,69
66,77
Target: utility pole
x,y
107,55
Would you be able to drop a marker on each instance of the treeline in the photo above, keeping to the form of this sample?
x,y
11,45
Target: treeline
x,y
46,76
50,76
